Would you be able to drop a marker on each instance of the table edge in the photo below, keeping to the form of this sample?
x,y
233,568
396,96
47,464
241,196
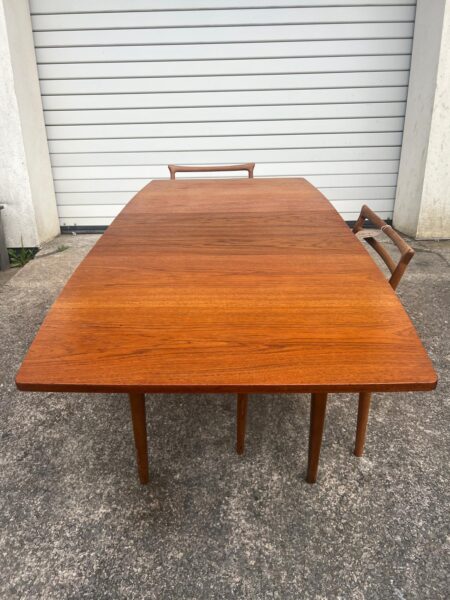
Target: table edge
x,y
218,389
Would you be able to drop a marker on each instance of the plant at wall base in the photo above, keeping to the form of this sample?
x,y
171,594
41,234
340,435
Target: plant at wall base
x,y
18,257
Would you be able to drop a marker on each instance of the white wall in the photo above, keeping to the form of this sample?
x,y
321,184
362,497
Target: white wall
x,y
26,184
422,206
434,217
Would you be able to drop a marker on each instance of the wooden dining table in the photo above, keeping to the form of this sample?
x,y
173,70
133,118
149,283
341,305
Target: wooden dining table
x,y
227,286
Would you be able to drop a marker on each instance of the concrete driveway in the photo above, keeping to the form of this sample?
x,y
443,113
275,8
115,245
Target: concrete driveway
x,y
75,523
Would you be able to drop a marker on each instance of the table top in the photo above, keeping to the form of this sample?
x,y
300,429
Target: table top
x,y
227,286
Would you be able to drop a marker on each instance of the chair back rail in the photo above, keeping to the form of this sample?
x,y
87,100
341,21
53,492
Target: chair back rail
x,y
406,252
181,169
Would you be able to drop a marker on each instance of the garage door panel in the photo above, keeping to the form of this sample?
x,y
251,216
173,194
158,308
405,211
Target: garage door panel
x,y
262,142
73,6
224,67
213,17
222,51
120,87
189,35
314,89
223,98
304,168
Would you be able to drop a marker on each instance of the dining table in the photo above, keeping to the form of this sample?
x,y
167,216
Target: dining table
x,y
240,286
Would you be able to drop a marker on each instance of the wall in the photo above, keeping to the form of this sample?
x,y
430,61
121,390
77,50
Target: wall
x,y
434,218
422,207
26,184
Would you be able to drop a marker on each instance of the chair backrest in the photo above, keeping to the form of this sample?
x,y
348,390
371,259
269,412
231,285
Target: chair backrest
x,y
406,252
179,169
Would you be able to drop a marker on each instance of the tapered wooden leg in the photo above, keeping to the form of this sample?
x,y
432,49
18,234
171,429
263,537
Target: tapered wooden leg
x,y
241,417
361,427
317,419
137,405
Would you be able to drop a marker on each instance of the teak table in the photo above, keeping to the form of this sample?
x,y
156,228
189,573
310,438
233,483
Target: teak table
x,y
252,285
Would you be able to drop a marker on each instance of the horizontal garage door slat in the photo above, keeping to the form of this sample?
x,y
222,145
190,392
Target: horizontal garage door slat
x,y
147,159
132,86
328,140
223,51
142,172
307,168
73,6
314,89
214,17
200,35
242,98
225,67
281,156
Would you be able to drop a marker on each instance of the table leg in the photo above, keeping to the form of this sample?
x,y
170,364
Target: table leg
x,y
137,405
317,419
361,427
241,416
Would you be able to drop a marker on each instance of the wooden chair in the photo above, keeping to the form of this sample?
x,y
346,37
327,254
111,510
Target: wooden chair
x,y
396,269
244,167
406,252
242,399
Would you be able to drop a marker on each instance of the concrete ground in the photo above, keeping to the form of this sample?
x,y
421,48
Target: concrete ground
x,y
75,523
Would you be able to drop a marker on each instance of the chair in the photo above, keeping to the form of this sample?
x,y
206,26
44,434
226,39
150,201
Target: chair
x,y
242,399
244,167
396,270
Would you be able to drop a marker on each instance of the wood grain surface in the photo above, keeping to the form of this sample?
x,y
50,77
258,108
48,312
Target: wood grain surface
x,y
242,286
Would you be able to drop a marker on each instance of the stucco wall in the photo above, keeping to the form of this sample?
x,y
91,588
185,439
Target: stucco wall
x,y
434,217
26,184
422,205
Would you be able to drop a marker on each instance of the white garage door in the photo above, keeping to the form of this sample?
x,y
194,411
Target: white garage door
x,y
314,89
